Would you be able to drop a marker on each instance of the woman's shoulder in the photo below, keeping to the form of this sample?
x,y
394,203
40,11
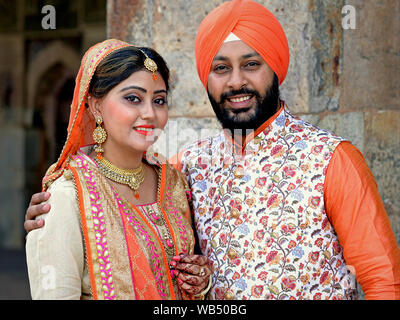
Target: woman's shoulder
x,y
63,197
64,184
63,216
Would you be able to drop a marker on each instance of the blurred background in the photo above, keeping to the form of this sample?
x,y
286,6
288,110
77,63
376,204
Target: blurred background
x,y
37,77
343,80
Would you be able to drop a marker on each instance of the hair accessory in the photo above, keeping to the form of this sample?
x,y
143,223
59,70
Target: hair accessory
x,y
99,136
150,65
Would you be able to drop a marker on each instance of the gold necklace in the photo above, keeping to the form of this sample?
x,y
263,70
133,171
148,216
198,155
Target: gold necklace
x,y
131,177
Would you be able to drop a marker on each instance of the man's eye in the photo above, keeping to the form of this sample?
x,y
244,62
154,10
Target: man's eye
x,y
252,64
220,68
132,98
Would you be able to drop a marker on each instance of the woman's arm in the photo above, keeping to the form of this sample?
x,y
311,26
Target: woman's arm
x,y
55,253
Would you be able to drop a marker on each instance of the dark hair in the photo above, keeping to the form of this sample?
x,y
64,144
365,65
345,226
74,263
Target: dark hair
x,y
119,66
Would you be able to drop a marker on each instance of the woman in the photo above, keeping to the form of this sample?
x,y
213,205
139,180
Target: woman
x,y
119,225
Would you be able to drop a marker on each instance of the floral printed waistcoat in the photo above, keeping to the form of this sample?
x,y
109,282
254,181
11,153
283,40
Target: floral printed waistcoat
x,y
260,214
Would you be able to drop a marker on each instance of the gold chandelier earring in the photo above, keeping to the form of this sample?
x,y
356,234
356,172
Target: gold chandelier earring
x,y
99,136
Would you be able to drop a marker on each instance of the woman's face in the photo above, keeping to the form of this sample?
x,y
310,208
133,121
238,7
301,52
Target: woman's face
x,y
134,112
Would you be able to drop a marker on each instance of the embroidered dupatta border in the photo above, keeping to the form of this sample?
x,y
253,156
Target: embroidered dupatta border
x,y
149,237
166,203
94,231
140,224
171,177
141,231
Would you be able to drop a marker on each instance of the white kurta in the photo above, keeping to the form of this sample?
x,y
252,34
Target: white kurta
x,y
55,253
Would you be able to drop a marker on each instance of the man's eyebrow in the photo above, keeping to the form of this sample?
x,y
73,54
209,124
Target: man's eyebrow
x,y
250,55
220,58
246,56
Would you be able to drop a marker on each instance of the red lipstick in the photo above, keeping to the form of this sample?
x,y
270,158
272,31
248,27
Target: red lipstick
x,y
145,129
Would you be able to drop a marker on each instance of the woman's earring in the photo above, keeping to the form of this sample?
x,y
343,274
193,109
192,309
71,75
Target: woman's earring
x,y
99,136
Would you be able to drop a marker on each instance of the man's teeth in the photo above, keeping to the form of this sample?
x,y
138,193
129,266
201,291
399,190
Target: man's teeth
x,y
240,99
145,129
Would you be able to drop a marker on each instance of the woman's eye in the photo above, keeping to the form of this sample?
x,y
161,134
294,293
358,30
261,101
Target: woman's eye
x,y
132,98
160,101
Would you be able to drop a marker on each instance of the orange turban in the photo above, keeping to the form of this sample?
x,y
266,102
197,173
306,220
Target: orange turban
x,y
253,24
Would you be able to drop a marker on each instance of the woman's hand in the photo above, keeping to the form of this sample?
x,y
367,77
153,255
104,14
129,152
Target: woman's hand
x,y
192,272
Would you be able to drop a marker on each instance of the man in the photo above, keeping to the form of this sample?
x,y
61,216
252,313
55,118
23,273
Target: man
x,y
284,210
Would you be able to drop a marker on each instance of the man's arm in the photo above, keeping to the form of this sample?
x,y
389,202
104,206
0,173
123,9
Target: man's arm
x,y
358,216
36,208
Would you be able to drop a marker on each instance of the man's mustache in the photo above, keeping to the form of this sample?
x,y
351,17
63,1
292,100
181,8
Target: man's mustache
x,y
226,95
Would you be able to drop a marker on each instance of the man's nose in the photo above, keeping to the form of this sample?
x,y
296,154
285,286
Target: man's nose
x,y
237,79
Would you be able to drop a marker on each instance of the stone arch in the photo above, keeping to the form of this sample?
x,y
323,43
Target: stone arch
x,y
52,109
49,72
56,52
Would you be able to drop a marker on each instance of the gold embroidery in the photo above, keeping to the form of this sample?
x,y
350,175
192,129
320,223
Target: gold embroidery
x,y
178,228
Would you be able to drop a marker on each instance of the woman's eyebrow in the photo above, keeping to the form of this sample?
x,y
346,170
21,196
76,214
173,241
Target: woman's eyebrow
x,y
133,87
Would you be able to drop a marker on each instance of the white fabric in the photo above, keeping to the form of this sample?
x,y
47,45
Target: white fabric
x,y
55,253
232,37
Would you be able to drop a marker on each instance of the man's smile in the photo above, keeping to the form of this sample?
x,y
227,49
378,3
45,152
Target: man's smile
x,y
242,101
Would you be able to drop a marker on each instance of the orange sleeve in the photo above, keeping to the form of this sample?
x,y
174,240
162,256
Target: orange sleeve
x,y
358,216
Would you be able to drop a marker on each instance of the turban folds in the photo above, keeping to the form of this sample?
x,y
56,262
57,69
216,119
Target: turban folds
x,y
253,24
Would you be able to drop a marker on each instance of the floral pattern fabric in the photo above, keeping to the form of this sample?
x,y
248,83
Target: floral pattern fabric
x,y
259,214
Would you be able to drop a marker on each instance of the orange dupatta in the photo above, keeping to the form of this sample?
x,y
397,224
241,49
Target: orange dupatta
x,y
81,122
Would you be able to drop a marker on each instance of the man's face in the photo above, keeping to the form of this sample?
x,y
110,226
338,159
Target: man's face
x,y
242,88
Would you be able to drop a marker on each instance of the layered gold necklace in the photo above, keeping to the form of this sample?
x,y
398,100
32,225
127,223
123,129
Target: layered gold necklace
x,y
131,177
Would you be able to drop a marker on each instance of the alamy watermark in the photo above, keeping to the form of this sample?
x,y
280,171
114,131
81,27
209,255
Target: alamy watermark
x,y
49,20
349,18
48,277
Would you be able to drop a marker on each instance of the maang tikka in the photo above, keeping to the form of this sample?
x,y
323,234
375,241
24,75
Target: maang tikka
x,y
150,65
99,136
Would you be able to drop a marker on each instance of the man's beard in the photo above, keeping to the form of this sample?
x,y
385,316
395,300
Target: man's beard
x,y
264,109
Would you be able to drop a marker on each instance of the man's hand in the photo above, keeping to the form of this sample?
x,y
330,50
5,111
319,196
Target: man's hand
x,y
35,209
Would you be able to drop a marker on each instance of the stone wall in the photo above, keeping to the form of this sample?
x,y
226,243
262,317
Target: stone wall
x,y
12,143
346,81
370,91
